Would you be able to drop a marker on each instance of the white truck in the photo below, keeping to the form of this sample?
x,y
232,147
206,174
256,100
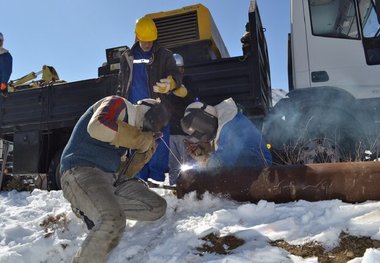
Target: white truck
x,y
332,112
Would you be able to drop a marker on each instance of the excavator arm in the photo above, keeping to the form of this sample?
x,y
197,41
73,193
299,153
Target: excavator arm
x,y
49,75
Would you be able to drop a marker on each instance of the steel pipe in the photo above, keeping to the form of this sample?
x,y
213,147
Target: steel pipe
x,y
350,182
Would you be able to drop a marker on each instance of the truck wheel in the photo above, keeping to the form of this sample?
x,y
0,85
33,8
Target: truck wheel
x,y
54,176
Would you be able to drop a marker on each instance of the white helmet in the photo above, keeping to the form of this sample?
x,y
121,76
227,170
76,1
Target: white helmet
x,y
200,121
178,60
200,105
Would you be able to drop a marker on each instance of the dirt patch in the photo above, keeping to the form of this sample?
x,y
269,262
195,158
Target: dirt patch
x,y
54,223
349,247
219,245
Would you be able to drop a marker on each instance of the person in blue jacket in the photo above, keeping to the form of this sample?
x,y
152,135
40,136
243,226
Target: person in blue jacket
x,y
148,70
224,137
5,67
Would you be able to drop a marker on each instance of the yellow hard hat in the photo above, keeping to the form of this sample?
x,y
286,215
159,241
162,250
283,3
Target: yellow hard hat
x,y
146,29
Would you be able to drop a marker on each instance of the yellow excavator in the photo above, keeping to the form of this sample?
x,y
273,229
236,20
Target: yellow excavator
x,y
49,76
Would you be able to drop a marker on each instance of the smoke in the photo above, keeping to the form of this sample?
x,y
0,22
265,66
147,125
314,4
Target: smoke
x,y
323,124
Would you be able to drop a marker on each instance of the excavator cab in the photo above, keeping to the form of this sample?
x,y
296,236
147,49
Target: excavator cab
x,y
49,76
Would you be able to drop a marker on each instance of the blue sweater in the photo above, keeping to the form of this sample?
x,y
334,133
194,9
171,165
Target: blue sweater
x,y
140,88
5,66
240,144
85,151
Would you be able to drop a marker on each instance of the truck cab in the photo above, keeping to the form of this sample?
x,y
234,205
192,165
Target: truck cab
x,y
336,43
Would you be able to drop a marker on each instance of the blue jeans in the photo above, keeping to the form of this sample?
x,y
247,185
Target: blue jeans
x,y
158,164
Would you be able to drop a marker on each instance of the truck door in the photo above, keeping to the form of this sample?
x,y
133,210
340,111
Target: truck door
x,y
337,50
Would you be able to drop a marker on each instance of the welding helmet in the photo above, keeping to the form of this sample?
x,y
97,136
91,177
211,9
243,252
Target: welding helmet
x,y
178,60
146,29
200,121
156,115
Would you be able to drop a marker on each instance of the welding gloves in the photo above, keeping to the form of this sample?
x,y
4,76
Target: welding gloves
x,y
139,160
165,85
181,91
133,138
143,142
169,85
199,151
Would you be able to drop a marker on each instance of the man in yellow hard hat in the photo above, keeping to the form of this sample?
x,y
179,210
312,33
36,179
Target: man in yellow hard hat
x,y
150,71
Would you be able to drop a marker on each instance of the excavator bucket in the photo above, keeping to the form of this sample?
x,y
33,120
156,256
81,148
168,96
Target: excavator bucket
x,y
49,74
350,182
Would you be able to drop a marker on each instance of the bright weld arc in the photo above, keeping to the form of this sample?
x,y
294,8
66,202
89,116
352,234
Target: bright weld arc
x,y
184,167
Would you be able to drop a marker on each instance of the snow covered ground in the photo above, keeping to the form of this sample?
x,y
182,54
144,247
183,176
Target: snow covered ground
x,y
40,227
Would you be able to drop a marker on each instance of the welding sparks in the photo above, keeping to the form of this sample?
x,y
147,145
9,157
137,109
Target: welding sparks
x,y
185,167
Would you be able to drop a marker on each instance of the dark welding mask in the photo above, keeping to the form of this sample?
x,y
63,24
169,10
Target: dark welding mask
x,y
156,117
200,122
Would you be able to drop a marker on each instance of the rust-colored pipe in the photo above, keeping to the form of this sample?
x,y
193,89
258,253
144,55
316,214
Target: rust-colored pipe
x,y
349,182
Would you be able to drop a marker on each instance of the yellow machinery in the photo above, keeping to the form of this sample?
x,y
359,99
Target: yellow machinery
x,y
192,26
49,76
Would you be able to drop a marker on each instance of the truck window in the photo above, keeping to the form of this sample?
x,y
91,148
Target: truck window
x,y
371,31
370,24
334,18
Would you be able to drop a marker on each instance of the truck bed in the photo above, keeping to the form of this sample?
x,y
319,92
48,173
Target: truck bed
x,y
51,107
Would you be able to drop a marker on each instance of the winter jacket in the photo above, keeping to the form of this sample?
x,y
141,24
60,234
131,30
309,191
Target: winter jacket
x,y
238,142
89,144
5,65
161,65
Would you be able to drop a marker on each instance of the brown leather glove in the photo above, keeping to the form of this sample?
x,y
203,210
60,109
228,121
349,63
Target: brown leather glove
x,y
199,151
139,160
133,138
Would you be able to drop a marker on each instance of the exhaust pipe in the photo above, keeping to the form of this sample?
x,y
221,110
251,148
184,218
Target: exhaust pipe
x,y
350,182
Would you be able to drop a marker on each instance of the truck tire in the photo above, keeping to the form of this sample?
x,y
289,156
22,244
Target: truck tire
x,y
314,134
53,175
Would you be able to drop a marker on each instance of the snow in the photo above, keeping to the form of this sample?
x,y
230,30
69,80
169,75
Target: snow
x,y
278,94
175,237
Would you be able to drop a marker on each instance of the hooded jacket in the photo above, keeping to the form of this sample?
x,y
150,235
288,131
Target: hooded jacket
x,y
5,65
238,142
161,65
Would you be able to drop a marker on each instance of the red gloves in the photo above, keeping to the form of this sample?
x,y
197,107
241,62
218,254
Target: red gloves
x,y
3,86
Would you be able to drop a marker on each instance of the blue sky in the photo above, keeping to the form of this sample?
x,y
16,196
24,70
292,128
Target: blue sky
x,y
72,35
